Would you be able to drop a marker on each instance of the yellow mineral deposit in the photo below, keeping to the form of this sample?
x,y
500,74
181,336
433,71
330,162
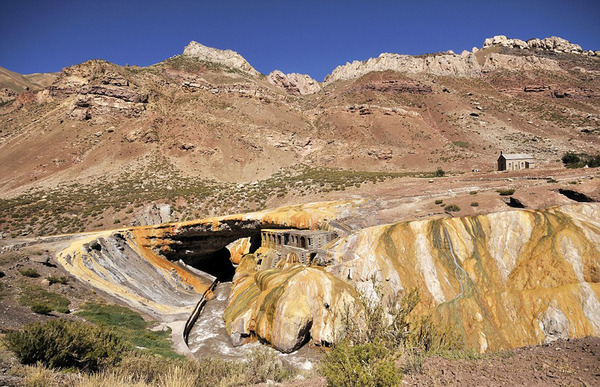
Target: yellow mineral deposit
x,y
503,280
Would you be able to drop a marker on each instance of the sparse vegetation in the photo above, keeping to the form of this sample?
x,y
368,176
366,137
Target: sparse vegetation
x,y
40,299
579,160
474,204
65,344
452,208
506,191
439,172
131,327
461,144
439,201
71,207
29,272
57,280
368,355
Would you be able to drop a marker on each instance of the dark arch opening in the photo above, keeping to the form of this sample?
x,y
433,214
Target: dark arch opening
x,y
574,195
217,264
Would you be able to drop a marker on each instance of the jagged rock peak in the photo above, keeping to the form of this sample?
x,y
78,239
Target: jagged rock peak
x,y
552,43
294,83
227,58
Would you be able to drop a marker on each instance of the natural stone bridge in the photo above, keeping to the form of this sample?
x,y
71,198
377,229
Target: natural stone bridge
x,y
501,280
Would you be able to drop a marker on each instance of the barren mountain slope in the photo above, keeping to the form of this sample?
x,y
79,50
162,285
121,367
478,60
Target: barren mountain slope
x,y
190,122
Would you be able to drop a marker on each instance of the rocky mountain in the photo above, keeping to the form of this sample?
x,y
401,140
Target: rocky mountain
x,y
208,116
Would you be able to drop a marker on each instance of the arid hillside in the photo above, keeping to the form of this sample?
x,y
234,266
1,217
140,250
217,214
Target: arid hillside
x,y
207,134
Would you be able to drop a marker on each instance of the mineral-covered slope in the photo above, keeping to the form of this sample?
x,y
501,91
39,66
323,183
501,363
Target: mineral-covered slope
x,y
152,267
289,306
504,280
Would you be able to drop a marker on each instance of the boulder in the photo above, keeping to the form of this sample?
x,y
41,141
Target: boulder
x,y
288,307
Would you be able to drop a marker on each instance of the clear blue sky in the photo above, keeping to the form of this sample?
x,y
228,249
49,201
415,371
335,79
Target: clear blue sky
x,y
310,37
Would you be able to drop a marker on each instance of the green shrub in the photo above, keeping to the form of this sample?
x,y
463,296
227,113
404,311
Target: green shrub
x,y
369,352
367,364
41,309
131,327
29,272
452,208
579,160
65,344
506,191
473,193
439,201
57,280
439,172
475,204
570,158
36,295
461,144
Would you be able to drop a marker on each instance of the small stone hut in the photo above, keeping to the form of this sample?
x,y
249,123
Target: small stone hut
x,y
515,161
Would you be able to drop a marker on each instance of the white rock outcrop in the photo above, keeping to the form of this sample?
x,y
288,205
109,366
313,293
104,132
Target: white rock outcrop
x,y
444,64
551,43
465,64
227,58
294,83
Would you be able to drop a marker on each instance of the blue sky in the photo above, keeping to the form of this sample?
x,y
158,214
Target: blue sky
x,y
310,37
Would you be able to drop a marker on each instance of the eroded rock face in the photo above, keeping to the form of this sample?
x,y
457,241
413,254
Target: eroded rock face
x,y
294,83
227,58
97,89
153,213
551,43
288,307
443,64
504,280
465,64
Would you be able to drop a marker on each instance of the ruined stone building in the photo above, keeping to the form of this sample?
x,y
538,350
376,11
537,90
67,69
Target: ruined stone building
x,y
515,161
294,245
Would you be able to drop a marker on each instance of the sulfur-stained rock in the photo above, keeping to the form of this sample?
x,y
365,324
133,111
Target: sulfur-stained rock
x,y
288,307
529,276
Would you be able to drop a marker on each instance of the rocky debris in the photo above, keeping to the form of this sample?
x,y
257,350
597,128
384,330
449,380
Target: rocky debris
x,y
242,89
143,135
153,213
294,83
380,154
187,146
553,43
6,92
396,86
536,89
560,94
227,58
368,109
43,259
